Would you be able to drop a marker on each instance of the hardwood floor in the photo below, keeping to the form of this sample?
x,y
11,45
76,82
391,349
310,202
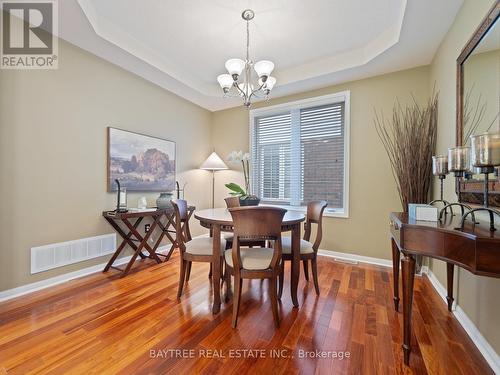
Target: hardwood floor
x,y
101,324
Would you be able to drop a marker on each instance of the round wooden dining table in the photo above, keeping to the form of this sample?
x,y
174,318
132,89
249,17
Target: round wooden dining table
x,y
219,220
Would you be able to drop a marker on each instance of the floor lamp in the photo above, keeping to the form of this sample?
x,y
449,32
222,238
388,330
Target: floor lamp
x,y
213,163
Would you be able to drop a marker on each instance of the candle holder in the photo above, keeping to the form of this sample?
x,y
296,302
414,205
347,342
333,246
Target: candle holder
x,y
121,198
440,169
459,164
485,155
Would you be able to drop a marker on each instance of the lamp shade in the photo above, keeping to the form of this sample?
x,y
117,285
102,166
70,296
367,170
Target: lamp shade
x,y
235,66
213,163
271,81
225,81
264,68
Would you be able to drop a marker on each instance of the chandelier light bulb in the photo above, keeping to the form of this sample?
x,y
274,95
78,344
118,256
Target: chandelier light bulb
x,y
264,68
235,67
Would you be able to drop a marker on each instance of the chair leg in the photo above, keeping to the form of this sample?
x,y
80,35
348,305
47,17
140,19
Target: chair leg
x,y
222,262
228,293
281,278
188,270
210,272
274,301
306,269
236,299
181,278
314,269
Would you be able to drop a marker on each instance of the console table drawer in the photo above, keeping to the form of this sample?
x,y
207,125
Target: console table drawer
x,y
423,241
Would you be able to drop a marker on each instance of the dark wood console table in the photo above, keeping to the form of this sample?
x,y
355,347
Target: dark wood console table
x,y
132,237
475,248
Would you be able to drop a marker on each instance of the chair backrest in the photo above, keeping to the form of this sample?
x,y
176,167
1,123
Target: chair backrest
x,y
232,202
181,220
315,211
257,223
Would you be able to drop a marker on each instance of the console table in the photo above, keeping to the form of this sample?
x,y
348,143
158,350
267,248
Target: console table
x,y
475,248
132,237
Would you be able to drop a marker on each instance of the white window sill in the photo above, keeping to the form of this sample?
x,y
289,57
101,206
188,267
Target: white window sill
x,y
327,213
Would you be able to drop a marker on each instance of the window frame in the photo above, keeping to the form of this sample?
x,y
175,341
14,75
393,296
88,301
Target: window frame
x,y
342,96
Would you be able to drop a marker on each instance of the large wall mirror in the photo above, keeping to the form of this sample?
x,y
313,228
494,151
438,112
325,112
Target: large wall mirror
x,y
478,98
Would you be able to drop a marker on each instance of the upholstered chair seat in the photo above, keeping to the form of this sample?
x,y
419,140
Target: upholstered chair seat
x,y
252,259
306,247
203,246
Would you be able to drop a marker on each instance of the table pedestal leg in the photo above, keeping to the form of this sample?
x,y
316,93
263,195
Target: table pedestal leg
x,y
216,268
408,270
295,264
449,276
395,273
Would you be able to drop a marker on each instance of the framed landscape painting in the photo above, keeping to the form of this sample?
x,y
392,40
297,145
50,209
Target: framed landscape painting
x,y
140,162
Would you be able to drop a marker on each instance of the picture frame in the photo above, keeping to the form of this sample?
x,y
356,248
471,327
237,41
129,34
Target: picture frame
x,y
142,163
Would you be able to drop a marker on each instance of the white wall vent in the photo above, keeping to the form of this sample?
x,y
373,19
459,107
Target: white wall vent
x,y
47,257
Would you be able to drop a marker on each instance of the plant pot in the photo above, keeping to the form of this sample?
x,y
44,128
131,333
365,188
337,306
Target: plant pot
x,y
163,201
249,201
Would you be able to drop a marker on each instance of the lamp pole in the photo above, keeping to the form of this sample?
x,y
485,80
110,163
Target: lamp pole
x,y
213,188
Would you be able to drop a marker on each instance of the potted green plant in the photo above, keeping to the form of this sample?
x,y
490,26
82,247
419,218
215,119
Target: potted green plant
x,y
245,195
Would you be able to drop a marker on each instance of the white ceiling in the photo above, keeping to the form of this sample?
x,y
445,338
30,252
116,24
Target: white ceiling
x,y
181,45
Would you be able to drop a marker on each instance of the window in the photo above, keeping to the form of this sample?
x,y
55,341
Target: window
x,y
300,153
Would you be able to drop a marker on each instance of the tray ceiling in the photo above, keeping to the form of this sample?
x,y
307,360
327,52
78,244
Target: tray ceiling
x,y
182,45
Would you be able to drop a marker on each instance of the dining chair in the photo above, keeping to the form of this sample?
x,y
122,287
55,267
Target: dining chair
x,y
308,249
198,249
254,223
232,202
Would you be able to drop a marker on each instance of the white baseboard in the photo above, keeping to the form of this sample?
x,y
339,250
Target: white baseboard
x,y
56,280
355,258
440,289
489,354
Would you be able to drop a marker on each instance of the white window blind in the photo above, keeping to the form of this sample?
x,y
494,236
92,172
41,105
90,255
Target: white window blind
x,y
299,154
322,154
271,160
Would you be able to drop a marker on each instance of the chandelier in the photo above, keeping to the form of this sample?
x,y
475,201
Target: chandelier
x,y
239,80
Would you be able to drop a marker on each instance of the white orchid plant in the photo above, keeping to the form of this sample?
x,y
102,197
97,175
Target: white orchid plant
x,y
237,157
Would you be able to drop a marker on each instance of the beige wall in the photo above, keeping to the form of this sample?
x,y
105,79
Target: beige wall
x,y
482,80
477,296
373,192
53,152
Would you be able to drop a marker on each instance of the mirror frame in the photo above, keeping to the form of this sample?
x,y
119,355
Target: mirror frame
x,y
472,191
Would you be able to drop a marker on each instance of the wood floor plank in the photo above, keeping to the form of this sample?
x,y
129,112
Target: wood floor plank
x,y
103,324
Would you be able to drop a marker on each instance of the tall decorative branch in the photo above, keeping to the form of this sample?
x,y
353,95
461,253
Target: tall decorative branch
x,y
472,115
410,141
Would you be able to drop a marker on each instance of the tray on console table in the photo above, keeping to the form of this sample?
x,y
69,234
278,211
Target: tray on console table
x,y
475,248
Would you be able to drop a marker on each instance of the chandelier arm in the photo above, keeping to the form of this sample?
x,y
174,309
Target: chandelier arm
x,y
232,95
240,90
256,91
